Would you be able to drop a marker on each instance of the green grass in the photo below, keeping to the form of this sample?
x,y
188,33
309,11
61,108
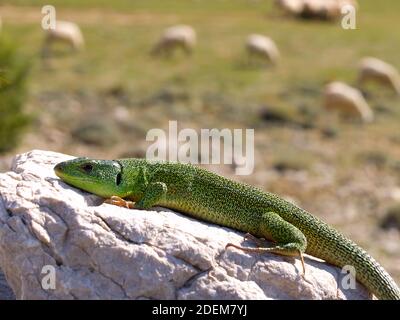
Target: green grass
x,y
312,52
215,78
174,6
118,41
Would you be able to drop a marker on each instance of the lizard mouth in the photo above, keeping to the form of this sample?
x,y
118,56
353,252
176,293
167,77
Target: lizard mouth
x,y
59,168
60,171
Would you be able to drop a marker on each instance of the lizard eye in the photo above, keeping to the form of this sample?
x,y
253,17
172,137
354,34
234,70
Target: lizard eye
x,y
87,167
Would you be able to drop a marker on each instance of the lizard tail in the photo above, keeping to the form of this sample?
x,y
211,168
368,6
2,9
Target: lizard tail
x,y
344,252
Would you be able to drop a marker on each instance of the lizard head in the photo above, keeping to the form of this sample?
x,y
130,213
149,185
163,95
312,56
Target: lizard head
x,y
101,177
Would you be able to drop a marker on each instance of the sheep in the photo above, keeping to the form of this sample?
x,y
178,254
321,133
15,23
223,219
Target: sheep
x,y
315,9
291,7
179,36
325,9
262,47
375,70
353,3
321,9
67,32
347,100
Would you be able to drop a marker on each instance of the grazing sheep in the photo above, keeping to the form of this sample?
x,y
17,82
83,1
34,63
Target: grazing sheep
x,y
375,70
325,9
179,36
262,47
353,3
67,32
321,9
347,100
315,9
291,7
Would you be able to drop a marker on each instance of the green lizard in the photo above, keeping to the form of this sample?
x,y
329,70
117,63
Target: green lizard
x,y
210,197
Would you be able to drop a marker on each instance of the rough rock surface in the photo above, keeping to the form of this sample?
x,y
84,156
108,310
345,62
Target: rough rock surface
x,y
101,251
5,291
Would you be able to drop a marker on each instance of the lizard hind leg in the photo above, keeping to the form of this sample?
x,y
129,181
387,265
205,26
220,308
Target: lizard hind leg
x,y
290,241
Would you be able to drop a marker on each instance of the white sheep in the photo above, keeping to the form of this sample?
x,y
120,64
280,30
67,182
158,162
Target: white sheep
x,y
291,7
64,31
262,47
376,70
321,9
315,9
179,36
347,100
353,3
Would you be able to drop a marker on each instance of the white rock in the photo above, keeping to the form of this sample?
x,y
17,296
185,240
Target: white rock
x,y
103,251
5,290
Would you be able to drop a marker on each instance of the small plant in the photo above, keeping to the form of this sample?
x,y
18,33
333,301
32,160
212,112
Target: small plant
x,y
292,160
13,76
278,115
96,132
375,158
284,165
391,219
330,132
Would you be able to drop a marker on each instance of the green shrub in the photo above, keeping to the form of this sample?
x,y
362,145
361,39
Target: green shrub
x,y
13,76
287,159
374,157
391,220
96,131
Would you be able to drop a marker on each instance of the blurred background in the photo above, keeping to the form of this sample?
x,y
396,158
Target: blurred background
x,y
100,99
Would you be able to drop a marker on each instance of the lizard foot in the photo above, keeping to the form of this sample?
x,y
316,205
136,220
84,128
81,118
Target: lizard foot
x,y
117,201
260,242
256,250
303,265
277,249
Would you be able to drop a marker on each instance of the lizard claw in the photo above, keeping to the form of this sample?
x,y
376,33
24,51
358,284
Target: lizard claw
x,y
117,201
259,242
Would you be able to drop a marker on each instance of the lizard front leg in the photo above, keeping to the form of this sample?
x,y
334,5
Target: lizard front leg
x,y
154,193
290,241
118,201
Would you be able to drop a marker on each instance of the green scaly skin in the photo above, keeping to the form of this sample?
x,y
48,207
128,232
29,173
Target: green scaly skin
x,y
210,197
